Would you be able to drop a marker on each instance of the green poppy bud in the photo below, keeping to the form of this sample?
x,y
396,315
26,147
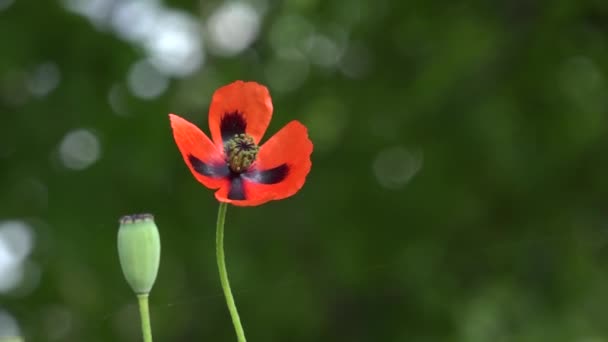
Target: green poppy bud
x,y
139,251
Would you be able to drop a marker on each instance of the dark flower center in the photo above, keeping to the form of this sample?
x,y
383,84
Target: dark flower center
x,y
241,152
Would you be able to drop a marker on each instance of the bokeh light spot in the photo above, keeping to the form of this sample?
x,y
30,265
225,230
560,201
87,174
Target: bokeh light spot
x,y
395,166
135,20
355,62
145,81
8,325
79,149
175,45
16,243
18,236
116,99
44,79
12,274
322,50
171,38
232,28
95,10
5,4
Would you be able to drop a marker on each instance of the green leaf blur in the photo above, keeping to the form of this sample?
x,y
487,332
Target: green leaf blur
x,y
458,191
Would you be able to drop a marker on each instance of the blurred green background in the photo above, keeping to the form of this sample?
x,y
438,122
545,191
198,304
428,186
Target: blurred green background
x,y
458,191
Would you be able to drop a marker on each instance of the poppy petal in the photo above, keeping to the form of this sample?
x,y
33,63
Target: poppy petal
x,y
202,157
238,192
279,171
240,107
281,166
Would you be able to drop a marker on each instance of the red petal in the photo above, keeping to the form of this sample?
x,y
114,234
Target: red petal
x,y
192,141
250,99
290,146
253,197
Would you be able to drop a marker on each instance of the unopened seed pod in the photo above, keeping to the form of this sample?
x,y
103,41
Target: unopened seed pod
x,y
139,251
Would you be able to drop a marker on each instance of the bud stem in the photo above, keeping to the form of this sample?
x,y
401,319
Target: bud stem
x,y
144,312
221,264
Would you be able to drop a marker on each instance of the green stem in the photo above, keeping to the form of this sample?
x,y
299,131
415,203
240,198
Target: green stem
x,y
221,264
144,312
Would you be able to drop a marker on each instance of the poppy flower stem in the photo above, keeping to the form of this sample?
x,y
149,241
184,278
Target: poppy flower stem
x,y
144,312
221,264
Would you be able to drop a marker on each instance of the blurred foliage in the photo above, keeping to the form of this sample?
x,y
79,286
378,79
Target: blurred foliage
x,y
458,189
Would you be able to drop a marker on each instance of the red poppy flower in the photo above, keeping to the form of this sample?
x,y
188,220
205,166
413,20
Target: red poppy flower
x,y
232,162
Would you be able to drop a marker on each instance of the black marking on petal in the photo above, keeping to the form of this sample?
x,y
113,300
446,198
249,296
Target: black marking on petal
x,y
209,170
237,191
270,176
232,123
